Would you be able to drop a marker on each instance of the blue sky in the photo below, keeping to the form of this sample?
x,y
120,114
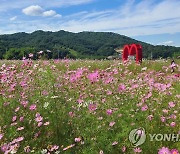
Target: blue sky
x,y
152,21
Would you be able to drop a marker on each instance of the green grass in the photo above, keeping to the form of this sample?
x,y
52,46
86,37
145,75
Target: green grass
x,y
56,87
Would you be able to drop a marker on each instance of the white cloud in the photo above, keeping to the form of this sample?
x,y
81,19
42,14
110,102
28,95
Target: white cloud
x,y
33,10
13,18
58,16
63,3
19,4
131,19
167,43
36,10
49,13
144,18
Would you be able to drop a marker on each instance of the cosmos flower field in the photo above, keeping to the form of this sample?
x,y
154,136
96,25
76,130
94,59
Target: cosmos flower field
x,y
87,106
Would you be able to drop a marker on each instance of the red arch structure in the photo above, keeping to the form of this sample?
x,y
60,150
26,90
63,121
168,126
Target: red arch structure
x,y
132,49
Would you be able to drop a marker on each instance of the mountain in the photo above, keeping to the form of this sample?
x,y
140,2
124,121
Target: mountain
x,y
74,45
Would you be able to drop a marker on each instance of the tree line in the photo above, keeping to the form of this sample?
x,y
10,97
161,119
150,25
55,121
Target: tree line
x,y
61,44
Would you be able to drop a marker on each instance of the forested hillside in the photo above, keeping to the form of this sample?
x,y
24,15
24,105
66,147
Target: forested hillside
x,y
94,45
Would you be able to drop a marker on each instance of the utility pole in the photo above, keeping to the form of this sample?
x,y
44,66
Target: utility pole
x,y
57,50
151,55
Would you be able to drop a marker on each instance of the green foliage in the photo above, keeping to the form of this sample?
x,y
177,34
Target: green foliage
x,y
18,53
176,54
48,85
94,45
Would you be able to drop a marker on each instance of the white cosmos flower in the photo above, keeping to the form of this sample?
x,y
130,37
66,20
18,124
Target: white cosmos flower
x,y
46,104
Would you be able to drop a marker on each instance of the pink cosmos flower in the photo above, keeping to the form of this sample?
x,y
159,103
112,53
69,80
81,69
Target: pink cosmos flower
x,y
109,111
115,71
92,107
120,115
149,95
23,84
38,114
1,136
139,104
40,124
30,55
173,124
175,111
144,108
103,100
24,103
134,86
6,103
46,123
17,109
169,85
14,124
171,104
123,149
165,110
54,147
4,148
20,128
101,152
174,151
37,134
114,143
121,87
173,116
109,92
93,77
178,96
32,107
71,114
111,124
163,119
77,75
38,117
45,93
164,150
140,132
19,139
14,118
21,119
27,149
173,65
150,117
109,80
12,87
78,139
137,150
80,101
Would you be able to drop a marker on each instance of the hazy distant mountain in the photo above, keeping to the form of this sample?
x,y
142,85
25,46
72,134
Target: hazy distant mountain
x,y
74,45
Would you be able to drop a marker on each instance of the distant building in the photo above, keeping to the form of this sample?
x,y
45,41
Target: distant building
x,y
119,50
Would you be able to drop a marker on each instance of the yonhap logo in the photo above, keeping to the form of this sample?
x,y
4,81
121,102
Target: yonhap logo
x,y
137,136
